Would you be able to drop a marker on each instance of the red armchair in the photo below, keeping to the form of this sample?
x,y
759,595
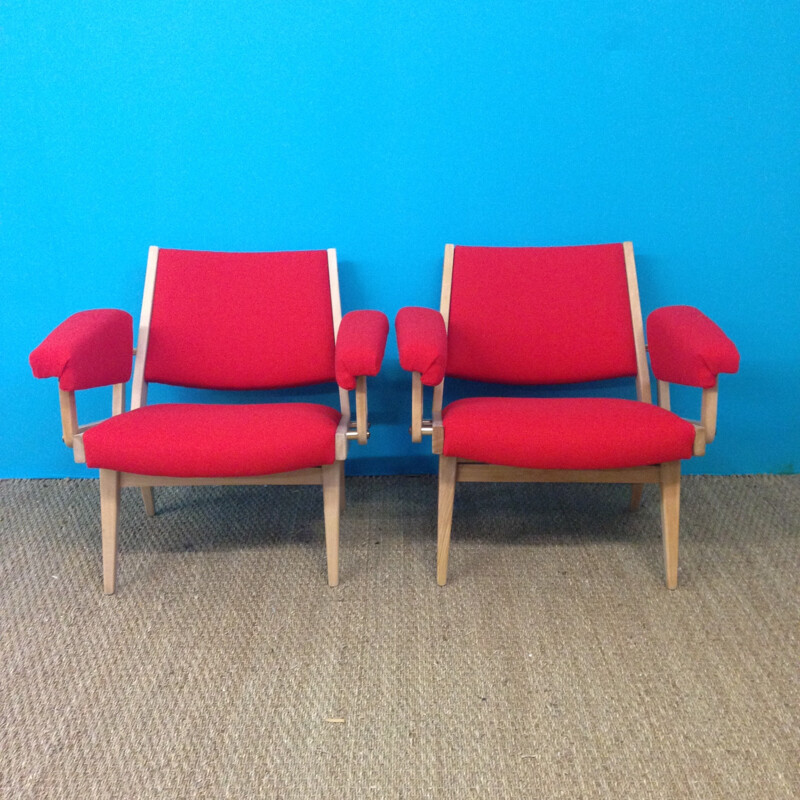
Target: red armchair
x,y
233,321
537,316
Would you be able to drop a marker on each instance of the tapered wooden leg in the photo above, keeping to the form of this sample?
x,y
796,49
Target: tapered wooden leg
x,y
670,518
149,504
447,491
636,495
109,515
331,494
341,486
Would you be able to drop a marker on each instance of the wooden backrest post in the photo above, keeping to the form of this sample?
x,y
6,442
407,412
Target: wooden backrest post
x,y
336,309
444,308
642,371
447,283
344,395
437,439
139,389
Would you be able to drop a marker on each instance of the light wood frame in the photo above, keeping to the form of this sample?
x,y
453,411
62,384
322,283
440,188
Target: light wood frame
x,y
329,476
667,476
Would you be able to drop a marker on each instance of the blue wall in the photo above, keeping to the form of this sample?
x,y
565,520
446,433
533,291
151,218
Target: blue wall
x,y
386,130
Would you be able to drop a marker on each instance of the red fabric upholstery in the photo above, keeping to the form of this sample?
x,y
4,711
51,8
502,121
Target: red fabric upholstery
x,y
90,348
574,433
536,315
687,347
360,345
241,320
197,441
422,343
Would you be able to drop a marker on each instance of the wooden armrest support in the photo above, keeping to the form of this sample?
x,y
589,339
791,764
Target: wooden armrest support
x,y
416,407
361,409
72,432
420,426
69,416
349,429
708,411
706,428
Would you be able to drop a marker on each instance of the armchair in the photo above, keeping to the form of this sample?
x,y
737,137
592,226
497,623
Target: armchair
x,y
233,321
554,316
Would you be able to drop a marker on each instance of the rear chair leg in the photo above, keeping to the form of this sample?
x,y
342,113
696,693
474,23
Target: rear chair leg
x,y
447,491
670,518
636,495
109,515
331,496
149,504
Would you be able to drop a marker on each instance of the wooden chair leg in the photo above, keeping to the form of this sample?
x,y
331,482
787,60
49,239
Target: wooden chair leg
x,y
149,504
109,515
331,494
636,495
447,491
342,498
670,518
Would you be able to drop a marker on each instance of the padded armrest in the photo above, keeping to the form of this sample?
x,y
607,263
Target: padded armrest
x,y
686,347
422,342
90,348
360,345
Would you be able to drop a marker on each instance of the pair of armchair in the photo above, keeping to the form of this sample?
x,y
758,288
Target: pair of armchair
x,y
532,316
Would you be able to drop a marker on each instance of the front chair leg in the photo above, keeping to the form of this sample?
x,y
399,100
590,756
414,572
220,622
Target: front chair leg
x,y
670,518
447,491
109,515
331,496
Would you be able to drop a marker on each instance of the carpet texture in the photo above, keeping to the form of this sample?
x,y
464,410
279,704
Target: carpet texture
x,y
554,664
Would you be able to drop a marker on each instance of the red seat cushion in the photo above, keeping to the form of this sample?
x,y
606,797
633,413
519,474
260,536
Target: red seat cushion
x,y
185,440
572,433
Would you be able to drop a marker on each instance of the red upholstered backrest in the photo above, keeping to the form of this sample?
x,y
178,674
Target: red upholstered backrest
x,y
241,320
534,315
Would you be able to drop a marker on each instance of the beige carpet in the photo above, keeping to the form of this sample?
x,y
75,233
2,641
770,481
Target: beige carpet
x,y
554,664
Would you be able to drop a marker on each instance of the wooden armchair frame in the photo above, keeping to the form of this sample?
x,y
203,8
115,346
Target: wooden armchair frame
x,y
667,475
330,477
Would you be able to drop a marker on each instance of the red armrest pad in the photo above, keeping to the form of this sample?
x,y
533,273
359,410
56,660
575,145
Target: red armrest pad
x,y
422,342
687,347
90,348
359,346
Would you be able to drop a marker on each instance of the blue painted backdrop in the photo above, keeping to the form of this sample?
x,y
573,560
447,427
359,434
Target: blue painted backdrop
x,y
386,130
